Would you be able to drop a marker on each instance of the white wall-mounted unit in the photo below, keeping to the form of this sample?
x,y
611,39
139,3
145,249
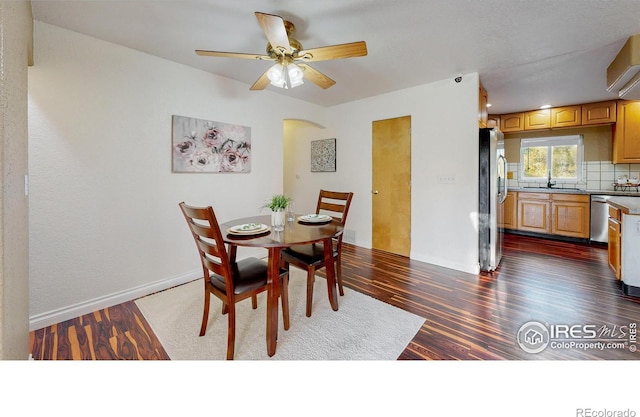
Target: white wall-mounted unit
x,y
623,74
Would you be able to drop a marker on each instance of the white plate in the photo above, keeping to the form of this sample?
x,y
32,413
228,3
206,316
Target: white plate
x,y
248,229
315,218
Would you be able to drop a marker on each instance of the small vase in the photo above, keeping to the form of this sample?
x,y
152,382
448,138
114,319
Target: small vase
x,y
277,220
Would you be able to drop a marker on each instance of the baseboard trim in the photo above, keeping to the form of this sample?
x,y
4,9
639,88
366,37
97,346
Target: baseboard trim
x,y
39,321
560,238
630,290
445,263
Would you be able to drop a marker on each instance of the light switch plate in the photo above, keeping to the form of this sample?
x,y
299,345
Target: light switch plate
x,y
446,179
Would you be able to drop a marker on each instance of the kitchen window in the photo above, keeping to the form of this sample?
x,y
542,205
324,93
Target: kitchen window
x,y
559,157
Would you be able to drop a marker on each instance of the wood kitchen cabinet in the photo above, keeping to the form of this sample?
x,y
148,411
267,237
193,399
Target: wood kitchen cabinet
x,y
537,119
570,215
510,218
599,113
602,112
513,122
615,239
493,121
483,114
626,133
558,214
566,116
533,212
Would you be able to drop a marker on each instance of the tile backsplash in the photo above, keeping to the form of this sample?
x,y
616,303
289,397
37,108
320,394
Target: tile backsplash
x,y
596,175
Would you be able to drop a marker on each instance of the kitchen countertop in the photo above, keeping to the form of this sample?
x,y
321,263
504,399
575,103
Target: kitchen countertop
x,y
628,205
570,191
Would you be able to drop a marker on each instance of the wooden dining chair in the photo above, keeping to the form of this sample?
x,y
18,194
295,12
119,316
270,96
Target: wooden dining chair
x,y
225,278
311,257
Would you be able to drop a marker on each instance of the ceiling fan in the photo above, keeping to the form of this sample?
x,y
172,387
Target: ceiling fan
x,y
291,59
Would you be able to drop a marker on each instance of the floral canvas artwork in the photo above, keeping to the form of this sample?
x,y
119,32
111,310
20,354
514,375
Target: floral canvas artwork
x,y
207,146
323,155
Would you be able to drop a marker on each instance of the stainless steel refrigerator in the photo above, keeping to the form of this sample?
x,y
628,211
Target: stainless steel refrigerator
x,y
492,194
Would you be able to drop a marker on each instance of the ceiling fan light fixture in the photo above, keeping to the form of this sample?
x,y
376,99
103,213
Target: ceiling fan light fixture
x,y
295,75
285,76
276,75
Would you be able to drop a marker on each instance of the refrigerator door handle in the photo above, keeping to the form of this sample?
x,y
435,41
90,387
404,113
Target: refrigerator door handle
x,y
502,160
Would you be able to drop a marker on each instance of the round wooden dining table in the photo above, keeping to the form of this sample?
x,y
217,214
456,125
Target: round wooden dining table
x,y
295,233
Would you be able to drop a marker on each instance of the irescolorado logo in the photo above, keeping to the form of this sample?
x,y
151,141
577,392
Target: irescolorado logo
x,y
533,337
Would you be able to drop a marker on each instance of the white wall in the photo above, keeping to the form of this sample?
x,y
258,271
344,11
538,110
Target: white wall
x,y
444,142
105,222
15,44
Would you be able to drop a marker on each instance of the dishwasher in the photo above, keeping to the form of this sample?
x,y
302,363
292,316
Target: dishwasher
x,y
599,231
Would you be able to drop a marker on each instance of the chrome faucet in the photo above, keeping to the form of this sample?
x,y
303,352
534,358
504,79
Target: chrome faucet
x,y
549,183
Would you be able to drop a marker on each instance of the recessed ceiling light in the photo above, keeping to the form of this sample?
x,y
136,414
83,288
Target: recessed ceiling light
x,y
545,106
488,104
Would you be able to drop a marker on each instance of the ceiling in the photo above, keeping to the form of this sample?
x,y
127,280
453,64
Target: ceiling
x,y
527,53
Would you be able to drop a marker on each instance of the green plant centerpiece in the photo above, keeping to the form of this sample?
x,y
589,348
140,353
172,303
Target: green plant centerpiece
x,y
277,204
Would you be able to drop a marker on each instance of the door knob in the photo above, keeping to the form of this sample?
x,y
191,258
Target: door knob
x,y
374,192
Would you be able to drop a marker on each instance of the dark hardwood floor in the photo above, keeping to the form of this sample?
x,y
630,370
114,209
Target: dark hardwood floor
x,y
118,332
467,316
478,317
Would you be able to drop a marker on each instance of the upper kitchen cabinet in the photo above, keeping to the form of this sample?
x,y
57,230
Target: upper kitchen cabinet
x,y
483,114
513,122
566,116
493,121
537,119
626,133
599,113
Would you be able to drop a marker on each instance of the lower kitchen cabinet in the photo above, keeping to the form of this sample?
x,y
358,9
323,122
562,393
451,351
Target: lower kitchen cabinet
x,y
533,212
570,215
558,214
614,248
510,217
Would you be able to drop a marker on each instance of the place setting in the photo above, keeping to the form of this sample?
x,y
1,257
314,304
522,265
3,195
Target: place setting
x,y
314,219
248,229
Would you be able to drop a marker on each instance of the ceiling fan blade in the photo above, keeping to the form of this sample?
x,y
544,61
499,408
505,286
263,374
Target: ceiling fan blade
x,y
325,53
261,83
275,31
233,55
316,76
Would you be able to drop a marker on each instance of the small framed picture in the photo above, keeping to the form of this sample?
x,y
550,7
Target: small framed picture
x,y
323,155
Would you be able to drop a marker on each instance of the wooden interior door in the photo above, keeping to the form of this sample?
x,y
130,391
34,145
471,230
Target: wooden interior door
x,y
391,182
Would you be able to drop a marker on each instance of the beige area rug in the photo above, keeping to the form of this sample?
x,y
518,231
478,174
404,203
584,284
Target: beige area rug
x,y
363,328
